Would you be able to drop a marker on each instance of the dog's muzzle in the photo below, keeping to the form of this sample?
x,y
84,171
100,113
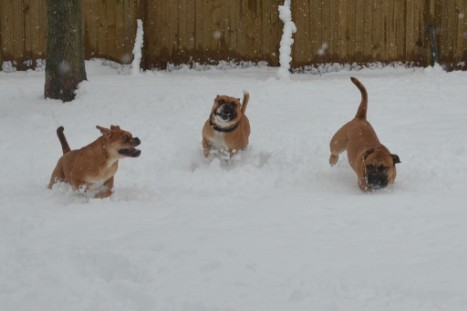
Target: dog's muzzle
x,y
132,152
376,177
226,111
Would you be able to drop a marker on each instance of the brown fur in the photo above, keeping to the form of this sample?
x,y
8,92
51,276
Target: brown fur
x,y
364,149
92,168
214,138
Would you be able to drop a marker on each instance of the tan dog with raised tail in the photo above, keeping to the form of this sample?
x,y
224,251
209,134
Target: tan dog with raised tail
x,y
92,168
374,164
228,128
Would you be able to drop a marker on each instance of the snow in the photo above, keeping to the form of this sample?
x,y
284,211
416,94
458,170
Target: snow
x,y
285,49
274,229
137,49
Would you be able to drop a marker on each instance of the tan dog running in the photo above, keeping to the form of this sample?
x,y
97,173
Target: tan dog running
x,y
92,168
228,128
374,164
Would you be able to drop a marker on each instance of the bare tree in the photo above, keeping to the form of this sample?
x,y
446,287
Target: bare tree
x,y
65,50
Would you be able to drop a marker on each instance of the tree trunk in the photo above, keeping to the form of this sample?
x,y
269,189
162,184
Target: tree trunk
x,y
64,68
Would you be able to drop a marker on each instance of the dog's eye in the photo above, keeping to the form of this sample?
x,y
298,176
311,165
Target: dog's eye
x,y
221,101
382,168
126,139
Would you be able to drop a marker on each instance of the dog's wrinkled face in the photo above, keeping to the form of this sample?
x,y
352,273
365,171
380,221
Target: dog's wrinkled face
x,y
225,110
120,142
380,168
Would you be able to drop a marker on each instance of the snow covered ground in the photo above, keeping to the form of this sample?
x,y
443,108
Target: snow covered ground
x,y
275,229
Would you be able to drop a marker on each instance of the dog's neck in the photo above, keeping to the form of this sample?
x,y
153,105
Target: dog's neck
x,y
108,157
223,129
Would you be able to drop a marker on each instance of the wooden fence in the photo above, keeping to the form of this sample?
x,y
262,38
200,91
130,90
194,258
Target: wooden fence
x,y
360,31
208,31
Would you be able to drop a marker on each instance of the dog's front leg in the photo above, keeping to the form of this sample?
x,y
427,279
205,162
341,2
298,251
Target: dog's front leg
x,y
206,147
107,189
338,144
363,184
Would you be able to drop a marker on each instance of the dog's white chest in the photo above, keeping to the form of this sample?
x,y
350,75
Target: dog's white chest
x,y
96,181
217,141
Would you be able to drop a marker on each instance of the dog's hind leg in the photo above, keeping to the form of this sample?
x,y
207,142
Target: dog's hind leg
x,y
58,174
338,144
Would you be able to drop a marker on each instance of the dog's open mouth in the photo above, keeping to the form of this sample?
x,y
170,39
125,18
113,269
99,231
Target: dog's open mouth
x,y
130,152
226,111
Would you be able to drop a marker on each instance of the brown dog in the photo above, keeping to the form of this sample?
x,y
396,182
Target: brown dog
x,y
228,128
92,168
374,164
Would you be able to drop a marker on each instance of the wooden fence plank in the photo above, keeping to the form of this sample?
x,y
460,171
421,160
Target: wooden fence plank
x,y
18,30
151,50
400,28
333,30
359,30
410,29
172,27
265,29
367,28
377,31
451,28
461,50
342,29
42,29
28,16
129,17
199,25
191,18
103,16
246,25
302,16
275,33
215,30
326,35
181,27
119,25
234,29
351,28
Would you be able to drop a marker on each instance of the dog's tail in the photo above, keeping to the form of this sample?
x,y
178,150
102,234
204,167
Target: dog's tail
x,y
62,138
246,97
361,112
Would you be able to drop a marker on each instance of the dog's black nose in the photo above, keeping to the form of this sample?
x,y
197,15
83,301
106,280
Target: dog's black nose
x,y
377,180
136,141
376,176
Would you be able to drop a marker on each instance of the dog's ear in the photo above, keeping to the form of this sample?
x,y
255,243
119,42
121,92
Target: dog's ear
x,y
104,131
114,127
395,159
368,152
